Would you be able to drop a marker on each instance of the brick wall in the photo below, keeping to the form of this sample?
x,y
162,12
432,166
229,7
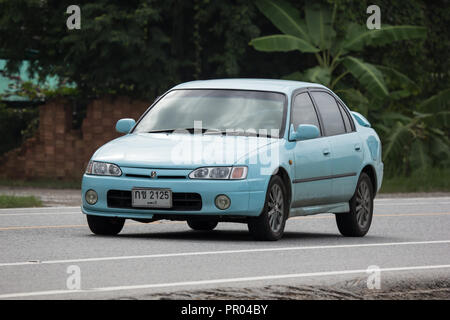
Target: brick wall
x,y
57,150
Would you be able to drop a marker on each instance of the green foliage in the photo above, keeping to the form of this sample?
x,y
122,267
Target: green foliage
x,y
122,47
139,48
437,103
319,22
319,74
285,17
418,142
36,92
370,77
283,43
412,140
19,202
316,34
13,123
359,36
42,183
429,180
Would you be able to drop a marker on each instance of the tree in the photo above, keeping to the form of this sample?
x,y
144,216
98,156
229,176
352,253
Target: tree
x,y
122,47
414,137
137,48
421,141
315,34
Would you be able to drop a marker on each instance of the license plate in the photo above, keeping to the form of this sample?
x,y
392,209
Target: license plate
x,y
151,198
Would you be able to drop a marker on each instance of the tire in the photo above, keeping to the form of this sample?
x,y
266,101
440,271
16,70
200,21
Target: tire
x,y
356,223
269,225
202,225
105,226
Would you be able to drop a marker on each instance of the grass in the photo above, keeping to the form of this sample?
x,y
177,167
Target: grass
x,y
431,180
42,183
19,202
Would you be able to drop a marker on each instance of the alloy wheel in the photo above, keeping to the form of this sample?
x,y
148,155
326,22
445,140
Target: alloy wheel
x,y
363,204
276,208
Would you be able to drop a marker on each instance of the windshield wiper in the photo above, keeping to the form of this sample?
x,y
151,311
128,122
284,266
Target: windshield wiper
x,y
161,131
241,133
214,131
190,130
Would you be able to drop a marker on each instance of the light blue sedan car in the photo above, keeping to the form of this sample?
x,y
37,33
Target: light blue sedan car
x,y
237,150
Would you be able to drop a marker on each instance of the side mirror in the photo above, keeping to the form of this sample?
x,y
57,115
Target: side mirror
x,y
125,125
361,119
304,132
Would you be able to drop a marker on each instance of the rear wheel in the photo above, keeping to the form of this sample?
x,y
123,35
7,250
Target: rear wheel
x,y
271,222
356,223
104,225
202,225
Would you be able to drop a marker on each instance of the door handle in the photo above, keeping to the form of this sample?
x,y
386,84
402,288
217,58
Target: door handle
x,y
357,147
326,152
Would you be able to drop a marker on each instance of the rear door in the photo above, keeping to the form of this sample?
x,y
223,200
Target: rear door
x,y
312,157
346,148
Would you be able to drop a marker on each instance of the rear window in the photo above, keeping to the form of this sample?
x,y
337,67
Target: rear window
x,y
347,121
329,110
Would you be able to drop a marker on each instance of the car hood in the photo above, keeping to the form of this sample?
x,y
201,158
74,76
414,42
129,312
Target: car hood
x,y
187,151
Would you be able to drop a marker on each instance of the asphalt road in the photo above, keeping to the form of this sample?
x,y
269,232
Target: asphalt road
x,y
409,239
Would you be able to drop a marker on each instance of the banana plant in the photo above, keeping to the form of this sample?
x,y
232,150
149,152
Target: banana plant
x,y
419,141
334,53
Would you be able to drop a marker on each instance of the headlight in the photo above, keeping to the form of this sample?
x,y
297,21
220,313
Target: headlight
x,y
103,169
220,173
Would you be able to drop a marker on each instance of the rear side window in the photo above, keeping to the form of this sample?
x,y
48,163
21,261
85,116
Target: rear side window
x,y
331,116
303,111
347,121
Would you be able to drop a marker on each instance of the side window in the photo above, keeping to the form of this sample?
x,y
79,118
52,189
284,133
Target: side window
x,y
303,111
348,125
331,116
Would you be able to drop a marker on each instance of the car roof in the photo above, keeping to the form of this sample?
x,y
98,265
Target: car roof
x,y
284,86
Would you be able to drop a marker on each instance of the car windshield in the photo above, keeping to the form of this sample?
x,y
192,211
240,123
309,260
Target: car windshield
x,y
225,111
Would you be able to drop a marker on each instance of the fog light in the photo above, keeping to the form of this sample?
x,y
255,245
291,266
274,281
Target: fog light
x,y
222,202
91,197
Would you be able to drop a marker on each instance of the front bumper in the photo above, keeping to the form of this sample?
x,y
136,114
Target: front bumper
x,y
247,196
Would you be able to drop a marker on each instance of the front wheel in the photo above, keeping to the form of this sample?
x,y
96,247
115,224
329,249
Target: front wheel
x,y
271,222
104,225
356,223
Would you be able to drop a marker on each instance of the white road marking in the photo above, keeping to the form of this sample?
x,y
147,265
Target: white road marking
x,y
216,281
429,199
39,209
202,253
411,203
38,214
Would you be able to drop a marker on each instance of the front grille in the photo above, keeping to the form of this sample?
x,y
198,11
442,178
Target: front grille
x,y
182,201
149,177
